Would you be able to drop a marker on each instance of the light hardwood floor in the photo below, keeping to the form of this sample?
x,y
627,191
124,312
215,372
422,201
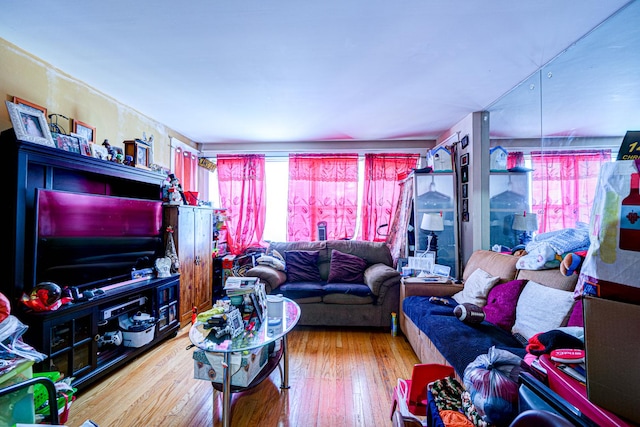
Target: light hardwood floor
x,y
338,377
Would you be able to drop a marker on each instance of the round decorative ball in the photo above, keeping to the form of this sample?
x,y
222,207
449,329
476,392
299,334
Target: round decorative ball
x,y
469,313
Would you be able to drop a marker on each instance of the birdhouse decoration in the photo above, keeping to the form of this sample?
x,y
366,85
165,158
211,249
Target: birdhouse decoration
x,y
440,160
498,159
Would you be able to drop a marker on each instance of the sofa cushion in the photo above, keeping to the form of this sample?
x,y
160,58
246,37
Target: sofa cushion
x,y
302,266
476,288
346,268
501,303
540,309
447,333
347,288
576,318
298,290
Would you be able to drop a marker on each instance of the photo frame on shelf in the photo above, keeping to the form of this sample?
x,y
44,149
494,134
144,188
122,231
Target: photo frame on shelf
x,y
88,131
464,160
85,149
66,142
98,151
30,104
29,124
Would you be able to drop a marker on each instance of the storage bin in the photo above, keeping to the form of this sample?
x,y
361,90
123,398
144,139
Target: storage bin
x,y
244,367
17,407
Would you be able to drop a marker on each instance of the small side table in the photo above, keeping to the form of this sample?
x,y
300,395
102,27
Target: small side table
x,y
416,286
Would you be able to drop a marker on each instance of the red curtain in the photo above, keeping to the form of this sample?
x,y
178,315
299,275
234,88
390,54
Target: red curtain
x,y
185,169
563,186
241,181
322,187
383,172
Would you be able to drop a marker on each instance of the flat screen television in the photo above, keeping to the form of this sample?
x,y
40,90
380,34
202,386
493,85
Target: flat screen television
x,y
90,241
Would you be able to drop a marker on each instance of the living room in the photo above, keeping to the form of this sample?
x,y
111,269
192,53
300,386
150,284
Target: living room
x,y
72,100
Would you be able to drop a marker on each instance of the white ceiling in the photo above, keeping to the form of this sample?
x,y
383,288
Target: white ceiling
x,y
291,70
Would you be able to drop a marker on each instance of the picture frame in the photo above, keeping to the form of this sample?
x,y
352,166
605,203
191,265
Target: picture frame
x,y
29,124
98,151
464,141
464,160
465,191
68,143
88,131
464,173
30,104
465,217
85,148
465,206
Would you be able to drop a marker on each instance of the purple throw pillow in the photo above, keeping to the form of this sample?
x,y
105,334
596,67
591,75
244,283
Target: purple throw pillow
x,y
302,266
346,268
501,303
576,318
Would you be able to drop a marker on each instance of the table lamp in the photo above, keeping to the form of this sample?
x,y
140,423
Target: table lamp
x,y
432,222
524,224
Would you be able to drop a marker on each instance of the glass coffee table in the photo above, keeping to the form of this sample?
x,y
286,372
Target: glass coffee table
x,y
268,332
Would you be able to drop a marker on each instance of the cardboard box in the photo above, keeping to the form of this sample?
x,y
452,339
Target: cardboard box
x,y
244,366
612,336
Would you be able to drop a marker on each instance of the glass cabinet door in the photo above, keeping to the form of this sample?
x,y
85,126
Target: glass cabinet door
x,y
509,195
435,196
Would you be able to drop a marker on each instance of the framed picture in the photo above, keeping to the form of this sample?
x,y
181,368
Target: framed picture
x,y
465,205
464,141
66,142
88,131
465,216
464,160
139,152
465,191
29,124
85,149
26,103
98,151
464,173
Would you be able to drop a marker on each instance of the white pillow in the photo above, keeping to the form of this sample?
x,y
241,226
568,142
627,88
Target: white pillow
x,y
476,288
541,309
271,261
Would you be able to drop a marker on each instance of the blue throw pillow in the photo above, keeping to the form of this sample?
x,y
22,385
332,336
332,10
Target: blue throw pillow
x,y
302,266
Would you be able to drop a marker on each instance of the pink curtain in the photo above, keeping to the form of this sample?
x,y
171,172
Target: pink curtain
x,y
322,187
185,169
241,181
563,186
515,159
381,191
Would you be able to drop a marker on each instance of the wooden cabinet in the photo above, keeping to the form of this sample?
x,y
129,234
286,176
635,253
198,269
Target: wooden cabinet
x,y
192,235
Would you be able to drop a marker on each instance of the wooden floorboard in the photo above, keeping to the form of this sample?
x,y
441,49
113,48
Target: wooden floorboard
x,y
337,377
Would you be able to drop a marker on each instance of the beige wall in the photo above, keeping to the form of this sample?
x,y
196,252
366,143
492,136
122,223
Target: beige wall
x,y
29,78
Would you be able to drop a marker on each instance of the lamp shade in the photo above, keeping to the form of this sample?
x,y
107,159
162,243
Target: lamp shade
x,y
432,222
525,222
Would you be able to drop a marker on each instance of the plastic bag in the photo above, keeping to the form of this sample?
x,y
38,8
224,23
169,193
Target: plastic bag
x,y
13,350
492,382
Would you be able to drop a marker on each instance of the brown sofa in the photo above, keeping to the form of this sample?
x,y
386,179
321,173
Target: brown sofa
x,y
496,264
333,304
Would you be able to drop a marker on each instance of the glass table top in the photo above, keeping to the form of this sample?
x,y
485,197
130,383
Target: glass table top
x,y
267,332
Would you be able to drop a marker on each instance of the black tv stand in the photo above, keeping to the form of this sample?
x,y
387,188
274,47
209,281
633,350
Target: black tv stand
x,y
70,335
